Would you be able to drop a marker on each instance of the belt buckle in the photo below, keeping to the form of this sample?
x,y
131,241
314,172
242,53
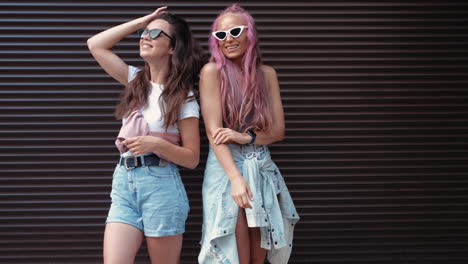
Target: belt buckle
x,y
134,160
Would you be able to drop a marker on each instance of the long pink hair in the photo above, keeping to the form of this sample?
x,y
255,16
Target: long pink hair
x,y
244,93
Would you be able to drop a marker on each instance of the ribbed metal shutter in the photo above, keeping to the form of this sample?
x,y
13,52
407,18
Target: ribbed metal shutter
x,y
375,95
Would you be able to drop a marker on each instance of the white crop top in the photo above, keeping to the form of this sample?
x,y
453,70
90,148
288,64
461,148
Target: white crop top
x,y
152,112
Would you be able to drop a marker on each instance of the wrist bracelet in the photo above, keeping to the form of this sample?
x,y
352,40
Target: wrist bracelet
x,y
253,135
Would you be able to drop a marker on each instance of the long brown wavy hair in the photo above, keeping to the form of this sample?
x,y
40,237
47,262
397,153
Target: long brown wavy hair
x,y
184,67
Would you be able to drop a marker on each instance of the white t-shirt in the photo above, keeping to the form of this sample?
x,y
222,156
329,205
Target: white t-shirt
x,y
152,112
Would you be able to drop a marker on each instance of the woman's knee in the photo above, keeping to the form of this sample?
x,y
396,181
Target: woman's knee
x,y
114,257
165,250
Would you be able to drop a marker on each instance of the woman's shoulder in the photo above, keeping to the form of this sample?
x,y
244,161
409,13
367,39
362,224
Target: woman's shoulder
x,y
209,73
209,69
268,71
132,72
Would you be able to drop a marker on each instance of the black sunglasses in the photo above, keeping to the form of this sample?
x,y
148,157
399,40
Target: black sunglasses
x,y
153,33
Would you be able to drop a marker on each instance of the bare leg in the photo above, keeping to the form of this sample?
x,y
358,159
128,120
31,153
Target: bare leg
x,y
257,253
242,238
121,243
164,250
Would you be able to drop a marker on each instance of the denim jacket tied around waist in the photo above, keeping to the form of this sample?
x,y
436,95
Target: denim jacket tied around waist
x,y
273,210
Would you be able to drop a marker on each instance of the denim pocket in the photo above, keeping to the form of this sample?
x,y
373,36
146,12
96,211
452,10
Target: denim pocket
x,y
181,187
118,177
159,172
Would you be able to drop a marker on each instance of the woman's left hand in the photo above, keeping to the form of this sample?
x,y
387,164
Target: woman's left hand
x,y
226,136
141,145
148,18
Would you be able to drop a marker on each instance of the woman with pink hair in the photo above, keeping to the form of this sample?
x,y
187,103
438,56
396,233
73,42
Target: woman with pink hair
x,y
247,209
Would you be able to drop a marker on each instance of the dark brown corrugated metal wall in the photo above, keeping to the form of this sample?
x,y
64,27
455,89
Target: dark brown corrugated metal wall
x,y
375,95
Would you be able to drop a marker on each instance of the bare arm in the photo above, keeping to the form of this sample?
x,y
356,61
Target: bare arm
x,y
226,135
187,155
101,44
277,130
210,99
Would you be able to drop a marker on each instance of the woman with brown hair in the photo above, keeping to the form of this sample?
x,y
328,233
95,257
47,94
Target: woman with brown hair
x,y
160,131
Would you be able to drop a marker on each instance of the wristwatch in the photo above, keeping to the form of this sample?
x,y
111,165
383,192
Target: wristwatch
x,y
253,135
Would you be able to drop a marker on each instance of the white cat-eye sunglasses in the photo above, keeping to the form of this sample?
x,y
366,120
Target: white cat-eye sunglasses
x,y
235,32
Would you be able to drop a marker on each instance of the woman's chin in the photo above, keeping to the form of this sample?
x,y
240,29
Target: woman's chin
x,y
233,58
144,55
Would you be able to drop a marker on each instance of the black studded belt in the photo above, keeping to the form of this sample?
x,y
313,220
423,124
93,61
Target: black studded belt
x,y
131,162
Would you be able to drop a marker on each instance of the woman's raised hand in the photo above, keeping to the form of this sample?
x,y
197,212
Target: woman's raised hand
x,y
148,18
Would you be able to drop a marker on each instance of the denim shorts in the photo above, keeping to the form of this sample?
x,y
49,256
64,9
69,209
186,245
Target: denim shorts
x,y
150,198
